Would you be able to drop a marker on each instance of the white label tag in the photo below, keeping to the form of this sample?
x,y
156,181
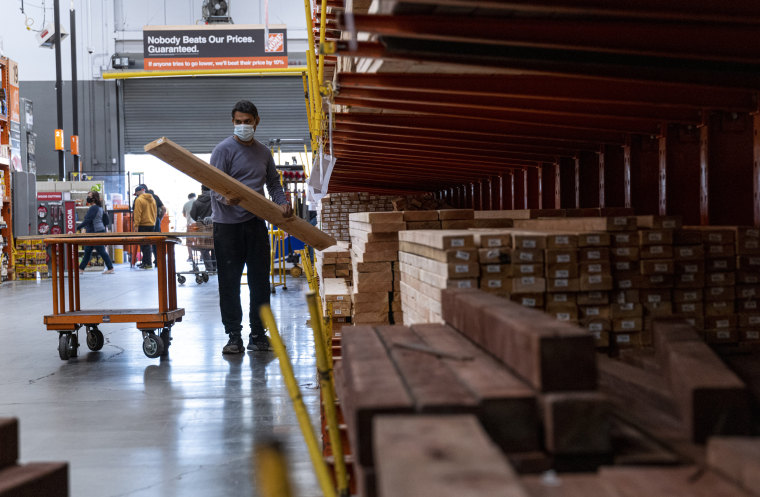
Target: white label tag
x,y
563,316
595,295
748,292
719,305
752,279
657,279
752,335
624,238
628,325
720,264
623,266
723,335
464,284
661,268
669,224
751,304
528,280
752,233
689,307
691,321
457,242
656,249
529,244
716,249
465,256
563,258
339,297
561,283
592,311
688,278
494,283
623,338
686,252
723,323
717,290
493,268
717,277
620,221
560,297
529,302
623,251
715,237
596,329
754,320
562,273
690,296
494,242
561,240
751,244
526,256
754,261
594,268
594,255
628,306
492,254
625,284
654,299
655,237
691,268
461,268
526,268
593,239
595,279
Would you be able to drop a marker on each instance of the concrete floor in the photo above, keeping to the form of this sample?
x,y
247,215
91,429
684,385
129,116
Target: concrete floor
x,y
128,425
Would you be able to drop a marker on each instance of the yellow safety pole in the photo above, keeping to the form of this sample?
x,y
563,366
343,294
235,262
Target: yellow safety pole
x,y
320,467
328,395
307,99
271,470
322,33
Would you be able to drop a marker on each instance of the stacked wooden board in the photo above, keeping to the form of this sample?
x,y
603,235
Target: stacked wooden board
x,y
336,299
334,262
335,209
374,258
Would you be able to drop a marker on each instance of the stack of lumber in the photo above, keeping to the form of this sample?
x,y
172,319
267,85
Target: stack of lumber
x,y
456,219
425,202
334,262
422,220
335,209
748,283
684,392
374,258
493,219
336,299
429,262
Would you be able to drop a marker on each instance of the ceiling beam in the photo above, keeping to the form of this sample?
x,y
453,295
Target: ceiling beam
x,y
452,154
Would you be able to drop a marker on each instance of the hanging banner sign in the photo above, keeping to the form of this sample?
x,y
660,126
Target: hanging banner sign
x,y
214,46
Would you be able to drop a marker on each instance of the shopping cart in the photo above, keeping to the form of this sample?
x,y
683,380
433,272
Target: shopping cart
x,y
202,250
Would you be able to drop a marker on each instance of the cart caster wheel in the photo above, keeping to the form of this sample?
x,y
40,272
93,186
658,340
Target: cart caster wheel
x,y
95,339
284,288
295,272
181,279
205,277
166,337
63,346
199,279
273,290
153,345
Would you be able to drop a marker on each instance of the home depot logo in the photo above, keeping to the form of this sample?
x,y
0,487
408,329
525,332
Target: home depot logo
x,y
275,42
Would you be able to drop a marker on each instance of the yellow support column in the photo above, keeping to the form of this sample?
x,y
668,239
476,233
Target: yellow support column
x,y
271,470
320,467
328,394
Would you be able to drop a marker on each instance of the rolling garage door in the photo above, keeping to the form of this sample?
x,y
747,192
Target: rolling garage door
x,y
195,112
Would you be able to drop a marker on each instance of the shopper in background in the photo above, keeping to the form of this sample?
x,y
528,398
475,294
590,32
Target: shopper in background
x,y
144,220
95,221
160,211
240,238
186,212
201,212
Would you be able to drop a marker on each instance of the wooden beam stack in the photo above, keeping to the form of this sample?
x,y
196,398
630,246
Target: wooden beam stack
x,y
334,262
335,208
748,283
336,299
374,255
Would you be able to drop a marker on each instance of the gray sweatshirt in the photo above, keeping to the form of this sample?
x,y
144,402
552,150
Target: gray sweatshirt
x,y
253,166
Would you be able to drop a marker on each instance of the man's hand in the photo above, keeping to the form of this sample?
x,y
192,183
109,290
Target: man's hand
x,y
287,210
230,201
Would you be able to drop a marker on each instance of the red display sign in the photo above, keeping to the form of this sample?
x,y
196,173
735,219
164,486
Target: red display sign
x,y
70,219
49,196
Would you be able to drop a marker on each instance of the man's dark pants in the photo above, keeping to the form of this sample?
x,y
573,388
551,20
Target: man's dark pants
x,y
238,245
145,249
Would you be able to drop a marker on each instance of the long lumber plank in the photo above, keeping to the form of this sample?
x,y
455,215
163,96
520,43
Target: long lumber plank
x,y
252,201
440,456
737,458
637,481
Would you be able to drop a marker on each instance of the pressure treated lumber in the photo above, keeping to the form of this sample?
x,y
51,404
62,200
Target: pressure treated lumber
x,y
370,385
738,459
440,456
576,423
686,481
507,404
550,355
230,188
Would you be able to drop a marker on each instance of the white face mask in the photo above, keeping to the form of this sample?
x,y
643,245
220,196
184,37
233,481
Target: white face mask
x,y
244,132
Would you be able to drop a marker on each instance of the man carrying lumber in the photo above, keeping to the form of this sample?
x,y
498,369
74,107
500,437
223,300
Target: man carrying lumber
x,y
240,238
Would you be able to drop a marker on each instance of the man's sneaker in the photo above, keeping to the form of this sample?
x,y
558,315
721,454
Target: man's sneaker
x,y
108,271
234,346
146,266
259,344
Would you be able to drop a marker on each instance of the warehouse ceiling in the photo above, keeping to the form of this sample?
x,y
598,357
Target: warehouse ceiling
x,y
437,93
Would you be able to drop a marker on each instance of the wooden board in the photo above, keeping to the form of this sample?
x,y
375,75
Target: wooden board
x,y
687,481
580,224
438,239
420,216
440,456
738,459
454,270
538,348
441,255
376,217
501,395
455,214
230,188
371,386
576,423
569,485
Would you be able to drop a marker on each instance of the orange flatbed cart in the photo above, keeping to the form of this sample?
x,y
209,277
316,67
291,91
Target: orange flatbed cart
x,y
67,317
